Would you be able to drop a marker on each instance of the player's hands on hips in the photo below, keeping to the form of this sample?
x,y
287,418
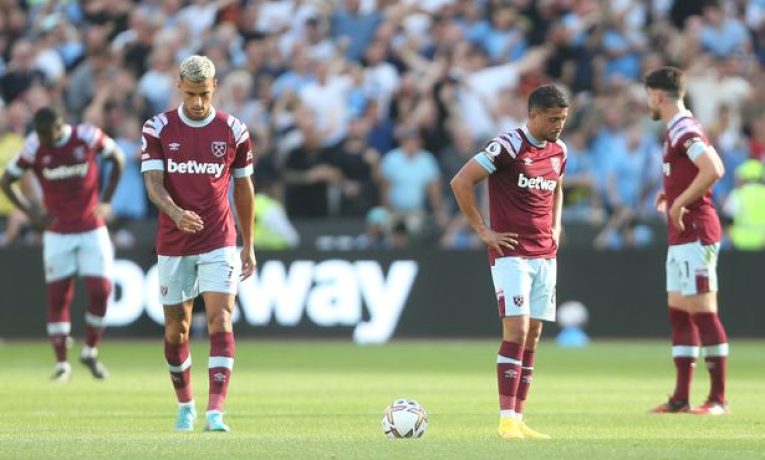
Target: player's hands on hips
x,y
248,262
39,218
497,240
188,221
676,214
661,202
105,210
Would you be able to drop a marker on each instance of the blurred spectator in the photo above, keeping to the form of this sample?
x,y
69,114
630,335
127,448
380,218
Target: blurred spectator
x,y
80,88
756,130
308,76
311,174
625,191
156,85
360,165
411,181
377,232
130,201
581,197
506,38
20,72
354,28
722,34
13,127
744,210
327,97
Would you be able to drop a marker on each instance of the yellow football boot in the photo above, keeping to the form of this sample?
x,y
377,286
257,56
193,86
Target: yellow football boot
x,y
529,433
509,428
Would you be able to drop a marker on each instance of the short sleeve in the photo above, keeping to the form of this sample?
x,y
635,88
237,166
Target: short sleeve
x,y
242,165
26,158
688,138
499,152
93,137
152,155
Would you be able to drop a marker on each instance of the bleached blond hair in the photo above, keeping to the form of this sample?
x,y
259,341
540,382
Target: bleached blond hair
x,y
197,69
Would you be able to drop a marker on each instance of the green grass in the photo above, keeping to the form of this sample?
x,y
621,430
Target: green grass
x,y
323,400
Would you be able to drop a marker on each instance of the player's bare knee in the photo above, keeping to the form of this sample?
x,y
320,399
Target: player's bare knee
x,y
177,336
177,329
534,334
220,322
515,330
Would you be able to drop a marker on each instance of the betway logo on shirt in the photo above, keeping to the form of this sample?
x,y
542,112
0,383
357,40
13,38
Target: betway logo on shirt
x,y
194,167
65,171
539,183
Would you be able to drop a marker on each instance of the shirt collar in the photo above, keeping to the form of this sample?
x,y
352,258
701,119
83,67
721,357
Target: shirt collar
x,y
66,134
532,139
681,114
196,123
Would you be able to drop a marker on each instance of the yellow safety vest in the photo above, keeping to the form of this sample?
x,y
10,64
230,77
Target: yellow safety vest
x,y
748,229
264,237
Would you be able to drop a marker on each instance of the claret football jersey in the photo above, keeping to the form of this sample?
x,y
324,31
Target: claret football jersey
x,y
68,175
685,141
524,175
198,158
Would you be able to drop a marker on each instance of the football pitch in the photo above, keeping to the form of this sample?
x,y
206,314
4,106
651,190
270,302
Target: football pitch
x,y
324,400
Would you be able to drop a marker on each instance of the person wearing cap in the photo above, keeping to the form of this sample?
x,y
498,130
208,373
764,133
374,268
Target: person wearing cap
x,y
745,207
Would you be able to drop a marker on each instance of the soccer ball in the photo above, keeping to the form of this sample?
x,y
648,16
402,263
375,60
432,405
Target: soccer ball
x,y
404,418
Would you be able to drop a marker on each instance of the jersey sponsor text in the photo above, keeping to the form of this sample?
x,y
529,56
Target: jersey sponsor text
x,y
538,183
194,167
66,171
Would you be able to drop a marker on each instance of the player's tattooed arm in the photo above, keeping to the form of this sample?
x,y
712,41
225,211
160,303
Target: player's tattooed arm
x,y
186,221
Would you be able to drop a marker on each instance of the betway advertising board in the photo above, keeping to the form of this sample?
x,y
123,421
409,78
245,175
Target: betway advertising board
x,y
372,297
361,294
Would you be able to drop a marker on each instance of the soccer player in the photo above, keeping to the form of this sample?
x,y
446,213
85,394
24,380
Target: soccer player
x,y
691,167
75,240
525,169
189,156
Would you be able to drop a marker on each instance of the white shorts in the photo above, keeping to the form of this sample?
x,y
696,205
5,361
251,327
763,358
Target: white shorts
x,y
692,268
182,278
525,287
87,253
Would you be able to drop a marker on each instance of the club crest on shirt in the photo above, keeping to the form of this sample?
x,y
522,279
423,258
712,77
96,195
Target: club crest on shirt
x,y
79,153
218,148
518,300
555,161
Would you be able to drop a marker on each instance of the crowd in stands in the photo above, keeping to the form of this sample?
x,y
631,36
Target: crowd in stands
x,y
367,108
